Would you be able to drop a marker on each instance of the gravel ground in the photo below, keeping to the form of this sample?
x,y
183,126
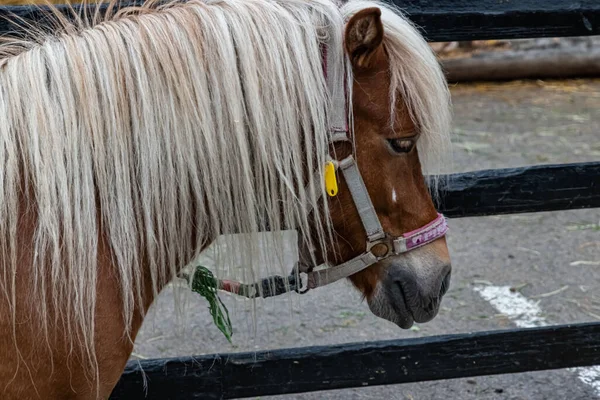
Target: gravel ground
x,y
496,126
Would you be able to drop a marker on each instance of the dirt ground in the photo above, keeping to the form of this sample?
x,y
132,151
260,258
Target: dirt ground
x,y
553,259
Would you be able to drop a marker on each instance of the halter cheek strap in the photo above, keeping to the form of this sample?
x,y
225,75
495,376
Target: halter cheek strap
x,y
361,199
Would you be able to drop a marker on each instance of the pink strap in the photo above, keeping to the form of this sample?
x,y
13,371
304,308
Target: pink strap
x,y
422,236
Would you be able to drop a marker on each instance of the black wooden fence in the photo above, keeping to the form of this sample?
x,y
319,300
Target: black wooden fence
x,y
491,192
283,371
306,369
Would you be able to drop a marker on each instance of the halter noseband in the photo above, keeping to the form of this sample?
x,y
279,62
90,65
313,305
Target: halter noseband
x,y
380,245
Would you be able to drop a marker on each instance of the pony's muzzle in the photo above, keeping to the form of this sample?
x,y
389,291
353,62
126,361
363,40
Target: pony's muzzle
x,y
420,293
413,285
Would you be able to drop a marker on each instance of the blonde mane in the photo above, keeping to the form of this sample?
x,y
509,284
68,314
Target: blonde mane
x,y
162,127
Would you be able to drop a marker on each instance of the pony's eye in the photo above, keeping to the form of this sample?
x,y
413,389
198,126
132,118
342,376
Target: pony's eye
x,y
401,145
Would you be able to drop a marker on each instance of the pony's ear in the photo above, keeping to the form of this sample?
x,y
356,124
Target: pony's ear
x,y
363,37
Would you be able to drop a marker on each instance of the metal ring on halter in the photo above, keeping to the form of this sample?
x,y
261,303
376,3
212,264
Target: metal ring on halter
x,y
374,246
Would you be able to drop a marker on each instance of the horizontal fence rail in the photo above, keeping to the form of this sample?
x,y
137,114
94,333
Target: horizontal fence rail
x,y
451,20
448,20
518,190
316,368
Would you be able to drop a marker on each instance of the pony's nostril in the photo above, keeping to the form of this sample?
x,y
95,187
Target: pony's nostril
x,y
445,284
431,306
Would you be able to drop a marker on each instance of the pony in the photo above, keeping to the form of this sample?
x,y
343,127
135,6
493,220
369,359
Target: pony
x,y
131,139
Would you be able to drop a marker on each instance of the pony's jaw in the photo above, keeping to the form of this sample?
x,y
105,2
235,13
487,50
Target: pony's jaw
x,y
411,289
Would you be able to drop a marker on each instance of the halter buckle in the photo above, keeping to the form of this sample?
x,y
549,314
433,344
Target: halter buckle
x,y
302,274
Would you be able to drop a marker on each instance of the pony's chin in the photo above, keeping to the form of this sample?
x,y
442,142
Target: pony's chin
x,y
381,306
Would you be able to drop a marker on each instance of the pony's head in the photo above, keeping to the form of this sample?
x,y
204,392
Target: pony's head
x,y
400,110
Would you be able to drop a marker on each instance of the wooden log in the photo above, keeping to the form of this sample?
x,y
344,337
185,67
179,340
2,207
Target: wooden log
x,y
284,371
519,190
448,20
531,64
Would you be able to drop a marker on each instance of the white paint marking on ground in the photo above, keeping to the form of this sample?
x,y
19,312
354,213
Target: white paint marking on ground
x,y
526,313
522,311
590,376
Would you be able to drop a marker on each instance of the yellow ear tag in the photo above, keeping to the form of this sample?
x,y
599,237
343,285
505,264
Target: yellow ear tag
x,y
330,179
